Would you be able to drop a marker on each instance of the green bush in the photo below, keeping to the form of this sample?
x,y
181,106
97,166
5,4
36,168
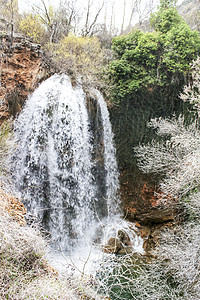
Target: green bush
x,y
146,61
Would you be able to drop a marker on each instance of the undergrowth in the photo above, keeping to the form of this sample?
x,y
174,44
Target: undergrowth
x,y
6,143
24,272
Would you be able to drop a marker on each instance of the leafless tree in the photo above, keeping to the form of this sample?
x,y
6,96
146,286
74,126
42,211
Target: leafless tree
x,y
143,10
123,16
70,12
112,17
91,17
133,9
59,21
177,158
10,12
191,92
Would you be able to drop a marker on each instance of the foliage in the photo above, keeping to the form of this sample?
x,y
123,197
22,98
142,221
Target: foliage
x,y
185,44
47,23
165,19
9,9
177,158
53,20
6,143
31,26
191,92
79,56
136,63
24,273
67,17
144,61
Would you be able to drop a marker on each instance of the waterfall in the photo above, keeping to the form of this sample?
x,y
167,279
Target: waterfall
x,y
55,162
64,165
112,181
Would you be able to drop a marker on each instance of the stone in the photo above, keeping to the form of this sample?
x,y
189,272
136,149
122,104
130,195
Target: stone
x,y
124,238
21,71
113,245
155,216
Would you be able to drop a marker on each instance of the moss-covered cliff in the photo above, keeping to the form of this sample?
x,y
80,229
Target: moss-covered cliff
x,y
129,120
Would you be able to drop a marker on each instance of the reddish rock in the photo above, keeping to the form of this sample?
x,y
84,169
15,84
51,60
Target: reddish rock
x,y
142,201
21,71
137,225
113,245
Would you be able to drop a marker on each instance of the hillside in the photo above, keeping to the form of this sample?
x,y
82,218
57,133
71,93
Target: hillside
x,y
189,10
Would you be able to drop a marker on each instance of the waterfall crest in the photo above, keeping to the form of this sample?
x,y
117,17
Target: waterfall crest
x,y
57,158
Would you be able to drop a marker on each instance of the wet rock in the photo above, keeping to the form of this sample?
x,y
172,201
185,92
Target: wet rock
x,y
120,244
154,216
124,238
113,245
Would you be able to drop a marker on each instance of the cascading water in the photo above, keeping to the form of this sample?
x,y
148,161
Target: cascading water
x,y
65,164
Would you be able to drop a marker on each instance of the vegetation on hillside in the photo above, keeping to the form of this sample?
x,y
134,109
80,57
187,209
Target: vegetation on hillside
x,y
152,60
173,270
24,272
143,62
176,158
79,56
6,143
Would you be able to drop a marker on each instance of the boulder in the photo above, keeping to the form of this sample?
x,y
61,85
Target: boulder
x,y
113,245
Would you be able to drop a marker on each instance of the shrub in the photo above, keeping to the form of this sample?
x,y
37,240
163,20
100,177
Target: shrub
x,y
79,56
6,143
176,158
24,272
31,26
191,92
151,60
22,249
175,273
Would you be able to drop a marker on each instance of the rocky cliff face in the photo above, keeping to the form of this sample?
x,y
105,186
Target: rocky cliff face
x,y
21,70
129,120
189,10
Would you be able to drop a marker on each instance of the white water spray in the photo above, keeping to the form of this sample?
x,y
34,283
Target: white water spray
x,y
67,181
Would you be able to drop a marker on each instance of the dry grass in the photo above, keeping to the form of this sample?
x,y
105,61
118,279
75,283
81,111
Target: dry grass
x,y
6,143
24,272
176,271
22,249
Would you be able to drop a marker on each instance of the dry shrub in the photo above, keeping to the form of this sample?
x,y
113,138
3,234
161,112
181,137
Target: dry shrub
x,y
176,271
22,249
176,157
31,26
24,272
191,92
12,205
79,56
6,143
